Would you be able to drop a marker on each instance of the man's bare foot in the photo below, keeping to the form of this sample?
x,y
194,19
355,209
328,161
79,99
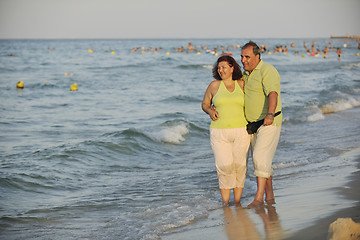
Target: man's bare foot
x,y
270,201
255,203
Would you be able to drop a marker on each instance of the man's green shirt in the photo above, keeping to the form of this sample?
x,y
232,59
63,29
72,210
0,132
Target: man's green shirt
x,y
262,80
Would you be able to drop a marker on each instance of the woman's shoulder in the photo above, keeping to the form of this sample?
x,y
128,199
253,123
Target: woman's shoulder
x,y
215,84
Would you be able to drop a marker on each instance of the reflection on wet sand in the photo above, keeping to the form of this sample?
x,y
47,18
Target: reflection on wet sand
x,y
239,225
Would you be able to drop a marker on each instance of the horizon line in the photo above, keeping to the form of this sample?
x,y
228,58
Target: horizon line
x,y
170,38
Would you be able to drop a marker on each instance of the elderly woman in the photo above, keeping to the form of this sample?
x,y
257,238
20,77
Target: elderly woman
x,y
228,136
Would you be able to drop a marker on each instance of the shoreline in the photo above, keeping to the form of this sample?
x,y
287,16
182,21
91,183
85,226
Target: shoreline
x,y
273,222
319,230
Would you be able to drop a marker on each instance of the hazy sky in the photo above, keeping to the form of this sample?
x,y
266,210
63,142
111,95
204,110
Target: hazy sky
x,y
178,19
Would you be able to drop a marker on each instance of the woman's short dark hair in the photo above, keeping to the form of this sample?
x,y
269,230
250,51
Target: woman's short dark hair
x,y
237,74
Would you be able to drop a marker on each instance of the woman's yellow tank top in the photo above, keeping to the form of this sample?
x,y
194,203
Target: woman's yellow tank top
x,y
230,107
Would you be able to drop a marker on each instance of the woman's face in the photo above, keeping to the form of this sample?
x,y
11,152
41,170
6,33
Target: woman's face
x,y
224,70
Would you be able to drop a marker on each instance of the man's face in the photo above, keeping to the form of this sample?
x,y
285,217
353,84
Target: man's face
x,y
248,59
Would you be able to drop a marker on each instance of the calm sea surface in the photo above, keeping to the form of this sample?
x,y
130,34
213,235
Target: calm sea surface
x,y
127,156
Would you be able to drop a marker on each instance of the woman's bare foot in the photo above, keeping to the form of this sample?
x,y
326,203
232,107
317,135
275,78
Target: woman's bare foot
x,y
255,203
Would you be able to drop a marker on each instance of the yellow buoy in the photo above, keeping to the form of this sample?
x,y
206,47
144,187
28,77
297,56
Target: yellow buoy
x,y
74,87
112,52
20,84
167,53
302,55
91,51
198,53
358,54
66,74
269,52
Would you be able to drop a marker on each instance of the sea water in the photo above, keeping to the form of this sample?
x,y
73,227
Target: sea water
x,y
127,155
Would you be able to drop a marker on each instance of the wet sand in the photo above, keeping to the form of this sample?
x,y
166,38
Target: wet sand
x,y
319,230
304,213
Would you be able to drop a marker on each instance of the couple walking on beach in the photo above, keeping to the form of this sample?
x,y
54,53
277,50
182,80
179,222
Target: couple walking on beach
x,y
245,109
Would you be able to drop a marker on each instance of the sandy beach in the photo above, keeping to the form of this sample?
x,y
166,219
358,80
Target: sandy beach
x,y
319,230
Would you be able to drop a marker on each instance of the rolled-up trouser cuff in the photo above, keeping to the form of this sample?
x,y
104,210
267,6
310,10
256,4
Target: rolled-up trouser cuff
x,y
263,174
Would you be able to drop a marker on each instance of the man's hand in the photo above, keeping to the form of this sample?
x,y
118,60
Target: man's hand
x,y
268,120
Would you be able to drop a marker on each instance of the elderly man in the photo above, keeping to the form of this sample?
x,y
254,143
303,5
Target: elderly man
x,y
262,109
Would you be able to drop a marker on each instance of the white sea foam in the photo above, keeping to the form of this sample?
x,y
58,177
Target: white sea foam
x,y
171,216
351,66
207,67
284,165
171,134
337,105
340,105
316,116
356,90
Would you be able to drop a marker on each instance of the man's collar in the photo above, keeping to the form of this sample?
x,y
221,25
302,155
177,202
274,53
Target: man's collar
x,y
257,67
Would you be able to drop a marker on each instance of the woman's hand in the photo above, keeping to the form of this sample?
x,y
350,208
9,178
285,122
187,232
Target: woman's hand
x,y
214,115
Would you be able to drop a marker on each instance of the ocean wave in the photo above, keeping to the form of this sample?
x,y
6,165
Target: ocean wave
x,y
356,90
340,105
181,98
30,183
196,66
170,132
277,166
334,106
351,66
316,117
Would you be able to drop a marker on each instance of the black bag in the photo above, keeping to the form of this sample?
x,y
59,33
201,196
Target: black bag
x,y
252,127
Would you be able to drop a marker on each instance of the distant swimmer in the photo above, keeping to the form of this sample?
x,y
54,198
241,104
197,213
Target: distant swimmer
x,y
263,48
305,47
338,51
313,50
326,51
190,47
